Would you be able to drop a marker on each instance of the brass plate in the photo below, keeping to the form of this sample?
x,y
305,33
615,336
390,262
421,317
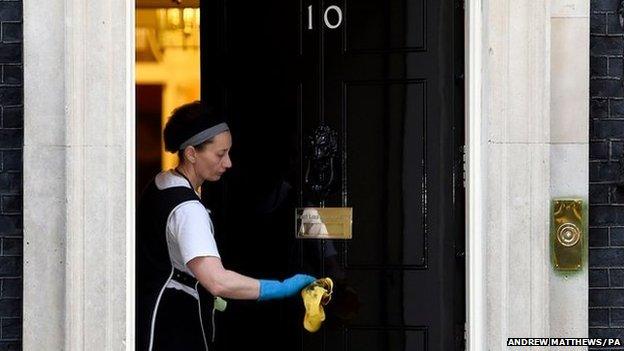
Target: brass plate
x,y
567,234
324,222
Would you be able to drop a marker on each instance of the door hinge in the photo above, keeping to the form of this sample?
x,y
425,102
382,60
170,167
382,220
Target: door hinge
x,y
463,167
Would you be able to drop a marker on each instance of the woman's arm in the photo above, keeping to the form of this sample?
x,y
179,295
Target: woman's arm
x,y
224,283
221,282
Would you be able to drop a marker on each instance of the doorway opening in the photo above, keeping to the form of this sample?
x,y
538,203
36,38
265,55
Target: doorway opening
x,y
398,118
167,75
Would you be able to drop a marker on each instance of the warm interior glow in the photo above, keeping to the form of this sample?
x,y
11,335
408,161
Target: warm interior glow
x,y
177,68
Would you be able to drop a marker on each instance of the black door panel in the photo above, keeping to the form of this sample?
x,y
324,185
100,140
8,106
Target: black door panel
x,y
385,82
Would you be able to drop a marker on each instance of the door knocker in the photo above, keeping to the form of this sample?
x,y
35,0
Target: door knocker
x,y
322,147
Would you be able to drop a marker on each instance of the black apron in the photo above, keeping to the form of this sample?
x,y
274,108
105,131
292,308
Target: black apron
x,y
167,318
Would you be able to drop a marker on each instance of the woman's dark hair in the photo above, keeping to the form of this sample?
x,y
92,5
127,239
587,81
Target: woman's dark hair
x,y
185,121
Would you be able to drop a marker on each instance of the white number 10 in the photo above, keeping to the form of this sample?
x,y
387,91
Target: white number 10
x,y
325,17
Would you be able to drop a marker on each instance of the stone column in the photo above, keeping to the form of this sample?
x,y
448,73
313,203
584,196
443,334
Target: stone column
x,y
517,128
78,175
569,149
535,103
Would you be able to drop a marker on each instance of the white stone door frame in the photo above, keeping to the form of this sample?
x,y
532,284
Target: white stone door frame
x,y
474,228
527,102
79,167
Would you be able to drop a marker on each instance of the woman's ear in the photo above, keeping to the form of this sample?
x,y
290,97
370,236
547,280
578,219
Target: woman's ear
x,y
189,153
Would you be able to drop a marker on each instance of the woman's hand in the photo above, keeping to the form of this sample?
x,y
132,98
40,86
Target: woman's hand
x,y
273,289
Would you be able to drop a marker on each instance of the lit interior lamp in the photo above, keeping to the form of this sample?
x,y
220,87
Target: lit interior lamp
x,y
177,26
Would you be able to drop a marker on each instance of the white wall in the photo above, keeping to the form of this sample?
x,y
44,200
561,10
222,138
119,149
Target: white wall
x,y
569,150
534,129
517,135
78,175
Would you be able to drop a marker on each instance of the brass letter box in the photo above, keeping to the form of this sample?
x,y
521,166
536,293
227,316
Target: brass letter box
x,y
324,222
567,234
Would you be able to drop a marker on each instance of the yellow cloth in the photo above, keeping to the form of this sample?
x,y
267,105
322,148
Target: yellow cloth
x,y
315,296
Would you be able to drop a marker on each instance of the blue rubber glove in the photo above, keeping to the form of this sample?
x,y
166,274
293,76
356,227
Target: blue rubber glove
x,y
274,289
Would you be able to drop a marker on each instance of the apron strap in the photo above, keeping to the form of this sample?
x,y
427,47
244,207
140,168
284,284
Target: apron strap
x,y
184,278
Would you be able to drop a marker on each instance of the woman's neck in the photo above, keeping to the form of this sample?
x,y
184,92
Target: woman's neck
x,y
189,173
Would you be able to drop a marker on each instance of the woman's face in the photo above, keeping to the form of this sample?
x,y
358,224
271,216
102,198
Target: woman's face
x,y
214,159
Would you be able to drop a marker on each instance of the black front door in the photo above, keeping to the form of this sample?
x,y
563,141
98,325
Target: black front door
x,y
381,78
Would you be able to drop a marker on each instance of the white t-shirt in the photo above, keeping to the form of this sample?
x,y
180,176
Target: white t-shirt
x,y
190,232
